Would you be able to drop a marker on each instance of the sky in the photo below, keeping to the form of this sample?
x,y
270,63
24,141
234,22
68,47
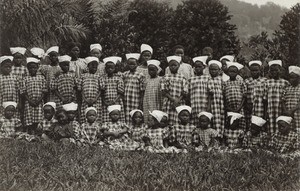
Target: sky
x,y
284,3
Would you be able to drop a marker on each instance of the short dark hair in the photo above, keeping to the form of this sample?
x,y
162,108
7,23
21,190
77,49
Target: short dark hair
x,y
73,44
177,47
207,49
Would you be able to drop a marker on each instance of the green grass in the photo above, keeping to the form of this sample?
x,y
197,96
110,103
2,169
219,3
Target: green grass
x,y
44,166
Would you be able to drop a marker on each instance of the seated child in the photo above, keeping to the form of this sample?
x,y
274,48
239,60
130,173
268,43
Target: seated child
x,y
203,136
71,109
8,123
232,133
43,127
286,139
138,126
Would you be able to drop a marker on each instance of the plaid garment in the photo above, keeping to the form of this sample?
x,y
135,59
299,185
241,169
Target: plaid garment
x,y
113,86
232,137
58,131
19,72
217,107
78,67
152,98
89,132
45,125
90,85
50,72
134,86
285,143
184,69
273,93
157,136
76,128
34,86
251,141
204,137
9,88
291,97
144,71
65,84
233,92
176,85
198,90
182,134
137,133
8,126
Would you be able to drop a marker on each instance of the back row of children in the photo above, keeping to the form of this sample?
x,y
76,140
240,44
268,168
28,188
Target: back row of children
x,y
210,86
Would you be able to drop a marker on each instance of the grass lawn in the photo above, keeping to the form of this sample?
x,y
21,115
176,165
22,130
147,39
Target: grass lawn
x,y
44,166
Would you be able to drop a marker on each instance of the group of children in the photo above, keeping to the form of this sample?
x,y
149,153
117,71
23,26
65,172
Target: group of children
x,y
206,105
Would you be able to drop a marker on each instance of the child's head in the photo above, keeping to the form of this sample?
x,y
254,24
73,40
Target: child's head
x,y
10,108
155,118
92,64
71,110
224,60
90,114
64,63
257,124
49,110
294,75
153,68
214,67
32,65
74,50
255,68
132,61
96,50
111,63
137,116
52,53
275,68
62,117
204,119
233,69
146,52
178,50
6,64
199,64
114,112
18,54
174,63
234,120
284,124
184,114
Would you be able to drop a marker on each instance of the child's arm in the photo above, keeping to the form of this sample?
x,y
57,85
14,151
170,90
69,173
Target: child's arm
x,y
31,103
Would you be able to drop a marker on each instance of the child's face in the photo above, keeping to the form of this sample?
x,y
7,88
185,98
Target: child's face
x,y
203,122
62,118
224,65
214,70
18,59
9,112
152,122
138,118
48,112
152,70
283,127
93,66
96,52
232,72
71,115
184,117
91,116
32,68
294,79
132,64
274,71
199,67
6,67
164,122
254,129
146,55
255,71
74,53
114,115
174,66
110,68
53,56
64,66
179,52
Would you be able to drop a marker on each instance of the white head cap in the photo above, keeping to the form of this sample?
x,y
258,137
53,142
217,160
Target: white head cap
x,y
15,50
157,114
70,106
146,47
230,58
235,64
234,116
258,121
255,62
287,119
113,107
132,112
176,58
39,52
216,62
90,109
3,58
91,59
275,62
183,107
52,104
52,49
32,60
154,63
95,46
9,103
64,58
113,59
295,70
202,59
207,114
133,55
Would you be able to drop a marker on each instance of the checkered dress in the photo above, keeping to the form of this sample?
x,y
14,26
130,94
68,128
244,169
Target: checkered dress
x,y
291,97
90,85
45,125
65,84
9,88
89,132
77,67
204,137
182,134
232,137
285,143
157,136
77,128
233,95
19,72
137,133
8,126
198,91
185,69
250,141
134,86
273,93
50,72
152,98
34,86
217,107
176,85
113,86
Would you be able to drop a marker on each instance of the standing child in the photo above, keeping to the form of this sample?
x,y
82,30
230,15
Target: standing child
x,y
18,69
274,89
174,88
77,65
138,127
43,127
96,51
134,86
113,88
33,89
146,55
233,134
152,98
9,124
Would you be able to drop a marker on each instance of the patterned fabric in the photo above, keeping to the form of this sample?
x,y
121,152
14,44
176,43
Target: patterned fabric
x,y
113,86
45,125
50,72
58,131
184,69
251,141
157,136
34,86
8,126
89,132
204,137
152,98
291,97
78,67
273,93
182,134
137,133
144,71
198,90
134,86
76,128
176,85
233,136
90,85
285,143
19,72
217,105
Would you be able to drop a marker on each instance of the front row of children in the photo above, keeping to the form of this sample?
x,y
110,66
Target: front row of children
x,y
157,135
